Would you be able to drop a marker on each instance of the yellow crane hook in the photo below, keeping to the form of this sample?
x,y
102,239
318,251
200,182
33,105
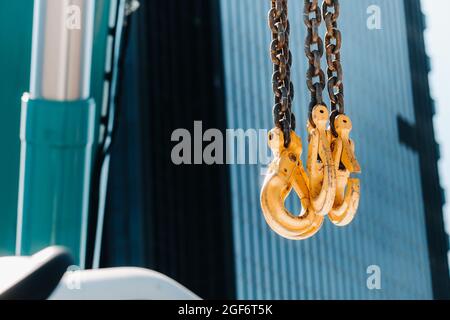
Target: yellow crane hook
x,y
347,189
285,174
320,166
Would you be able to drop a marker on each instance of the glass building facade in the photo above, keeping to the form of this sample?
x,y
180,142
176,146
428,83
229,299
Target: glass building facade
x,y
215,67
202,225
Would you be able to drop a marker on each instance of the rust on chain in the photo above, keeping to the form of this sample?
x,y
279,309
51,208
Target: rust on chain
x,y
326,187
314,50
283,88
333,44
286,172
320,167
347,195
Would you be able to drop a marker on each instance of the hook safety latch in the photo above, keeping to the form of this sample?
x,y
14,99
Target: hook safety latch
x,y
285,174
320,166
347,196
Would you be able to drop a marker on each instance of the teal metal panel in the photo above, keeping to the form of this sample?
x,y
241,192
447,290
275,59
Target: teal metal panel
x,y
389,230
16,19
15,48
57,139
15,53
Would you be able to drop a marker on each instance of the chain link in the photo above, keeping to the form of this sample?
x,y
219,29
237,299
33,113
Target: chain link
x,y
314,50
281,55
316,80
333,44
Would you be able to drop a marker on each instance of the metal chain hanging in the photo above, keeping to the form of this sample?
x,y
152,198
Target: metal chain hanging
x,y
281,55
348,191
326,187
333,44
286,173
320,169
315,76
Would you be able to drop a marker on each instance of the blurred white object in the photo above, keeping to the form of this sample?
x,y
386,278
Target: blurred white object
x,y
35,277
13,268
120,284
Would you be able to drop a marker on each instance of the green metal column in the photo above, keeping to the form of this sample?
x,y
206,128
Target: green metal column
x,y
57,130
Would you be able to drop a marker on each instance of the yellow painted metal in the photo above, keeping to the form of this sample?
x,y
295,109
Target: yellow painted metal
x,y
347,189
320,166
286,173
326,188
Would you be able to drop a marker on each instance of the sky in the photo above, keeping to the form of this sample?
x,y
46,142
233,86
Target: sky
x,y
438,48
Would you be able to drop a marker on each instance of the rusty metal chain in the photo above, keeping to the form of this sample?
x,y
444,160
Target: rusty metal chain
x,y
314,50
333,44
316,80
283,88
